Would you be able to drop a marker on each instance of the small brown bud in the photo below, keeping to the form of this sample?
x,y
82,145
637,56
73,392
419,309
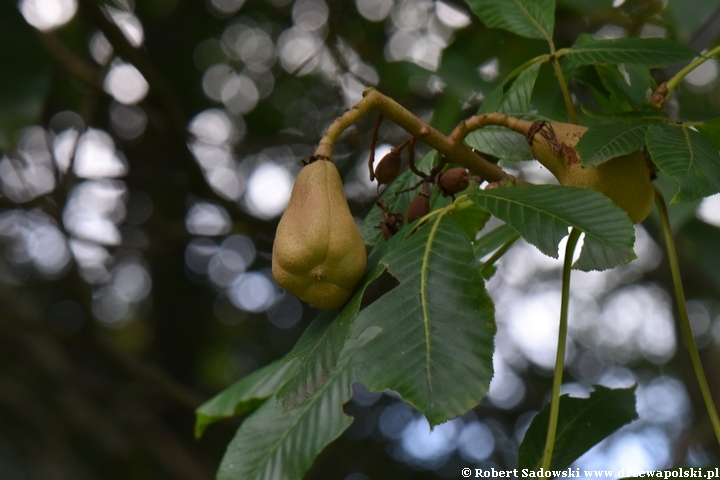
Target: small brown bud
x,y
454,180
388,168
659,95
419,207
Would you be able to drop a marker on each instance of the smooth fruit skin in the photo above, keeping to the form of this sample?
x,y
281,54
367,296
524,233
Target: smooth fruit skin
x,y
625,179
419,207
318,253
454,180
388,168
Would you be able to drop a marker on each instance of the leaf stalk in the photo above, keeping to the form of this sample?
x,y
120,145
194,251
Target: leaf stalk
x,y
682,310
560,358
565,92
554,58
500,252
673,83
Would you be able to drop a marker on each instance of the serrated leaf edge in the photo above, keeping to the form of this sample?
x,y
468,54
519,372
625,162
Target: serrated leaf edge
x,y
311,400
590,162
534,21
560,219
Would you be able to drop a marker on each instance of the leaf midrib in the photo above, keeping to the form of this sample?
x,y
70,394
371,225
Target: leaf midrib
x,y
423,302
690,150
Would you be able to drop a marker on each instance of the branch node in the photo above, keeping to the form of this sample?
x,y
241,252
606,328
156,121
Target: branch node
x,y
659,95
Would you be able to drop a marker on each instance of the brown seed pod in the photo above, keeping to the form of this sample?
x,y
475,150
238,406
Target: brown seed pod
x,y
420,206
453,180
388,168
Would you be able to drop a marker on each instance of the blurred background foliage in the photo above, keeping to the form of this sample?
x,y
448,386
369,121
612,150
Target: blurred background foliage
x,y
147,151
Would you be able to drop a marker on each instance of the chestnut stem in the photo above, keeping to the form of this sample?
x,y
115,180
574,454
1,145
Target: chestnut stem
x,y
390,109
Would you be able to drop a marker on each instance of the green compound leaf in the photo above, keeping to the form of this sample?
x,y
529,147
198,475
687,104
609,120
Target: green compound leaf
x,y
647,52
272,444
498,141
516,99
687,156
711,130
471,219
542,214
512,98
320,345
619,88
582,424
245,395
630,117
501,143
527,18
436,344
637,83
600,143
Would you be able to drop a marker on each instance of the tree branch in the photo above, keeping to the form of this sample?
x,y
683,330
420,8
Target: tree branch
x,y
451,147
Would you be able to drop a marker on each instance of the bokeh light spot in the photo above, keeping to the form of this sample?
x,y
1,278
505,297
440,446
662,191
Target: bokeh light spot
x,y
426,448
126,84
48,14
100,48
476,442
213,126
703,77
129,24
225,8
207,219
374,10
132,281
451,15
268,190
310,15
286,312
393,420
96,156
709,210
128,121
252,292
